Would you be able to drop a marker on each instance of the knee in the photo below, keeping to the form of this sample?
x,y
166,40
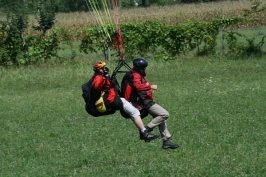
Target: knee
x,y
165,115
134,114
130,109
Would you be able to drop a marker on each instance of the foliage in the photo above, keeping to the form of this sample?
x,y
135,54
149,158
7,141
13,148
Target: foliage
x,y
46,49
164,42
80,5
253,45
256,7
154,37
42,49
12,41
19,50
90,40
46,13
30,6
139,38
72,5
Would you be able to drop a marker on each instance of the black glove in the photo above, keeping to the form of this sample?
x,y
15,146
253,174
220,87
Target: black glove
x,y
106,73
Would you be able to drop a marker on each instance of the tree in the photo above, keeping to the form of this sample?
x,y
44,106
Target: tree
x,y
47,12
144,3
74,5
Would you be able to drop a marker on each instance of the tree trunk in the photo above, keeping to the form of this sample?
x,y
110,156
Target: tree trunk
x,y
143,3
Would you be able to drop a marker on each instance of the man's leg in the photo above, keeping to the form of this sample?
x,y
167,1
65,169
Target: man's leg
x,y
160,115
135,116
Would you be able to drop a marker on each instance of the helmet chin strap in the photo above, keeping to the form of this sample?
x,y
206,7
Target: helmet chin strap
x,y
142,72
100,72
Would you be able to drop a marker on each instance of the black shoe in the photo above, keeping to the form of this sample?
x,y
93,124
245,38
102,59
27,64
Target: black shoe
x,y
168,144
141,136
147,136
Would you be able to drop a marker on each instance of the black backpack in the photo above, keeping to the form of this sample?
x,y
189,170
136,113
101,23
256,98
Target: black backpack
x,y
90,96
130,93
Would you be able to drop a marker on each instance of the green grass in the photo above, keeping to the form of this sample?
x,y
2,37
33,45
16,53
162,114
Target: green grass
x,y
217,113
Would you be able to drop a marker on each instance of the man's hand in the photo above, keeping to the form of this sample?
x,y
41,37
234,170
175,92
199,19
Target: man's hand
x,y
154,87
106,73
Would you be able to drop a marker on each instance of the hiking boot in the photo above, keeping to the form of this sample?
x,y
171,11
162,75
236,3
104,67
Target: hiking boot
x,y
168,144
141,135
148,136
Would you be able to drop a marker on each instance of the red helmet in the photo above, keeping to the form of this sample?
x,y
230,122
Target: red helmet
x,y
99,65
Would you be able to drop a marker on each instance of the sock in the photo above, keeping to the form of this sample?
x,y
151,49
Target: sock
x,y
143,130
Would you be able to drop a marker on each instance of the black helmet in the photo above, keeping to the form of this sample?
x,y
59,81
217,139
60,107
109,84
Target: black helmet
x,y
140,63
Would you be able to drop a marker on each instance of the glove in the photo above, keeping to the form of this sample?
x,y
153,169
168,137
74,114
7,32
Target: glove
x,y
106,73
107,76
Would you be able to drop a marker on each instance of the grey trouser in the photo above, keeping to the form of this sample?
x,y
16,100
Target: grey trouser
x,y
130,109
159,115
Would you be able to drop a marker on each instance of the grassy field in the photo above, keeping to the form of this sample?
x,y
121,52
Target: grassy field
x,y
216,105
217,116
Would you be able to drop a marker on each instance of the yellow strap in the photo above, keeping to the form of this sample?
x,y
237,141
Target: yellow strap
x,y
99,104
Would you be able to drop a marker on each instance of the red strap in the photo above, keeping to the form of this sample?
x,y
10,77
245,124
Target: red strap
x,y
120,48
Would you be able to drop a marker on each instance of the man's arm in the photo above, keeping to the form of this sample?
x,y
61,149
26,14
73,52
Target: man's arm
x,y
139,85
98,83
154,87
